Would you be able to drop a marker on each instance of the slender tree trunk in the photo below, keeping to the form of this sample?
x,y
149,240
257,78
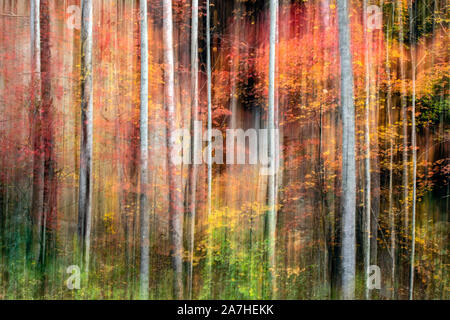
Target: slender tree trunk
x,y
194,147
174,175
143,203
391,158
404,120
76,89
325,13
272,218
135,134
412,17
367,178
348,154
404,116
209,134
38,159
50,188
235,64
85,178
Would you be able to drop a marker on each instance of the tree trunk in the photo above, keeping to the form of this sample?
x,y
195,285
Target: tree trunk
x,y
404,120
272,217
85,178
348,154
404,116
367,178
38,159
414,151
209,134
134,148
391,214
49,187
174,174
194,147
143,204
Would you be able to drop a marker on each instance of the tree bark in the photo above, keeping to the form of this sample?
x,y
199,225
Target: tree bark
x,y
391,214
348,154
404,115
38,159
174,174
209,135
50,182
143,203
194,147
367,178
404,148
85,176
272,214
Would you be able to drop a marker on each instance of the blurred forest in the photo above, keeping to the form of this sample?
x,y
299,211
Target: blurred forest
x,y
92,91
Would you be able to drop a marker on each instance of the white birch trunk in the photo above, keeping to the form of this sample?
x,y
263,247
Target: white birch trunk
x,y
175,199
143,202
194,147
209,133
272,218
85,178
348,154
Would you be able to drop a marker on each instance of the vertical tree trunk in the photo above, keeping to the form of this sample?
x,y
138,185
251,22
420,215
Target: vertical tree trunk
x,y
209,134
174,174
348,154
414,151
143,204
391,158
272,218
134,167
38,160
85,178
194,146
49,186
234,67
367,180
404,116
404,120
76,89
324,208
